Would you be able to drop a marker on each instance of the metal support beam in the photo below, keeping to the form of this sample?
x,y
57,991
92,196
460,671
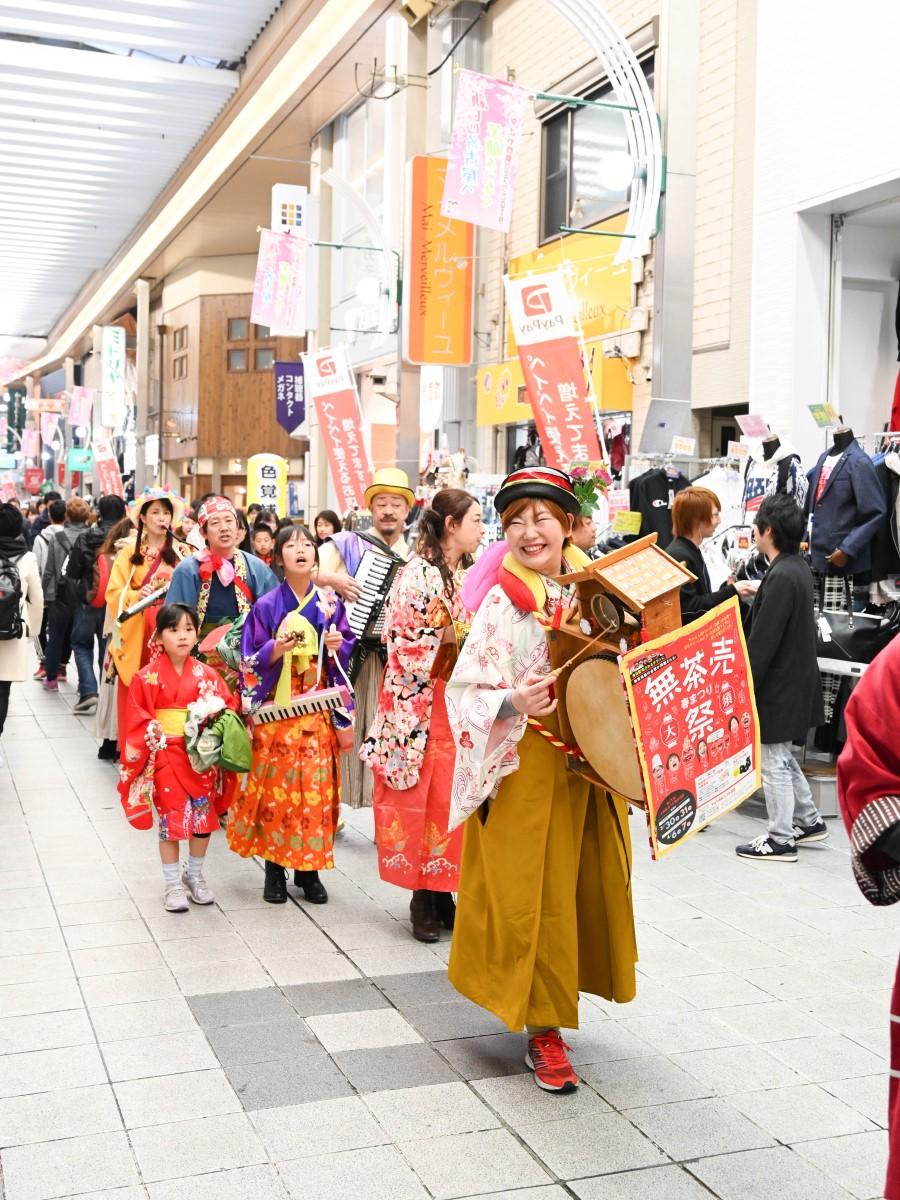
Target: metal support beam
x,y
142,398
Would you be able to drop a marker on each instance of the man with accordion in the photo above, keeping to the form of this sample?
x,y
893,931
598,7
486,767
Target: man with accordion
x,y
361,568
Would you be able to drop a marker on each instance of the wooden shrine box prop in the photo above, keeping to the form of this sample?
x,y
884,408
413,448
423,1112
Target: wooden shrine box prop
x,y
629,596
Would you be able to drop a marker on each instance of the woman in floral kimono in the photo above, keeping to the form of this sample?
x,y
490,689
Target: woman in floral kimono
x,y
155,762
409,747
140,568
289,812
544,905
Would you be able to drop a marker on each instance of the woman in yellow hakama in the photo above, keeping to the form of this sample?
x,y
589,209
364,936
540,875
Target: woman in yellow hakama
x,y
544,907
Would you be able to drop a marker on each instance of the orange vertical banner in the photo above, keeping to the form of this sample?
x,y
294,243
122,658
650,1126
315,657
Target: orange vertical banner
x,y
438,306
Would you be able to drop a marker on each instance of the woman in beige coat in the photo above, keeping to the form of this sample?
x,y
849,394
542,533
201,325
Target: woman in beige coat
x,y
14,665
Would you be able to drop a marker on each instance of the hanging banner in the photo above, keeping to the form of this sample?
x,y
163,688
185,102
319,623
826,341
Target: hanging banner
x,y
31,443
438,308
752,424
290,396
267,482
484,150
80,459
106,467
34,477
49,427
332,387
543,319
7,492
278,287
61,472
112,377
80,407
695,724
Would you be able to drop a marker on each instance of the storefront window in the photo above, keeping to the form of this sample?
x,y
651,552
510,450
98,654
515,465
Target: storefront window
x,y
586,171
237,329
237,360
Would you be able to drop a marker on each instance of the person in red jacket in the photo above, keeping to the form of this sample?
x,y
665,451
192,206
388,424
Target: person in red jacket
x,y
868,778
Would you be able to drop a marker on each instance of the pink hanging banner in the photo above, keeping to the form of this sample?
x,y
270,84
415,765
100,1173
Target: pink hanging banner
x,y
31,443
109,478
7,492
80,407
278,288
543,319
49,426
331,386
484,150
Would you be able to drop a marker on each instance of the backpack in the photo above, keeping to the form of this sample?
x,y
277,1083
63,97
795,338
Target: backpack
x,y
56,583
12,626
95,595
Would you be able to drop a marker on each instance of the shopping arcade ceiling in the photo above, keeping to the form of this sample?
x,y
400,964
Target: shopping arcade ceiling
x,y
98,108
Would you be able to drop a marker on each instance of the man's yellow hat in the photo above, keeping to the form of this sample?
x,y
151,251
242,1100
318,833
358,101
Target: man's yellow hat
x,y
393,481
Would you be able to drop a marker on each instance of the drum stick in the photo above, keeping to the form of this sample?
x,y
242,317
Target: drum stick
x,y
555,674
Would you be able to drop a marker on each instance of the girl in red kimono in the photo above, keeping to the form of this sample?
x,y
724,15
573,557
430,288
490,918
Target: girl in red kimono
x,y
868,781
410,747
157,772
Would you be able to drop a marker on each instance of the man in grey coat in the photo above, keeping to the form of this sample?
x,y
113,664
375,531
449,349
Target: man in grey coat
x,y
781,644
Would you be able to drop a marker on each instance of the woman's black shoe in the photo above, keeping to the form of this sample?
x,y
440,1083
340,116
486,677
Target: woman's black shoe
x,y
424,919
444,908
275,888
108,751
313,888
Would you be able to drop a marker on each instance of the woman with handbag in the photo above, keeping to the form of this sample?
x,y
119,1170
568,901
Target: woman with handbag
x,y
410,747
289,812
141,567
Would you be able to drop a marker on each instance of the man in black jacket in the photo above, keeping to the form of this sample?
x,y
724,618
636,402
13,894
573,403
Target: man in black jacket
x,y
782,647
87,625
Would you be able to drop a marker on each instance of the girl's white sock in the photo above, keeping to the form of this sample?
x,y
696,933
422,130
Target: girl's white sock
x,y
171,874
195,867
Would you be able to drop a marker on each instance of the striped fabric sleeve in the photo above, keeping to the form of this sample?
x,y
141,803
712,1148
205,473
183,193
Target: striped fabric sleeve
x,y
881,884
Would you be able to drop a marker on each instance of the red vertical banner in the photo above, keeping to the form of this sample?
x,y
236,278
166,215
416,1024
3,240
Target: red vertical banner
x,y
34,477
106,465
331,386
543,318
695,724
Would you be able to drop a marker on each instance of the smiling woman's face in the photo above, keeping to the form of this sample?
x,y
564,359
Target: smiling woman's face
x,y
535,538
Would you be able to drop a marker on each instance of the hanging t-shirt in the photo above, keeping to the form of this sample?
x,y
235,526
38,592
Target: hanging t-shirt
x,y
652,495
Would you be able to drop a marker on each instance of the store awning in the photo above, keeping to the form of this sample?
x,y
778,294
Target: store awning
x,y
99,106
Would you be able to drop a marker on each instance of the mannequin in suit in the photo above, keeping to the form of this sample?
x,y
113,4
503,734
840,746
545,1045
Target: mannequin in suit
x,y
846,504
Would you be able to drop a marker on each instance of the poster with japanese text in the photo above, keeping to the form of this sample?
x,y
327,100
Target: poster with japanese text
x,y
113,393
278,287
695,724
267,479
290,397
543,318
106,466
438,293
484,150
331,386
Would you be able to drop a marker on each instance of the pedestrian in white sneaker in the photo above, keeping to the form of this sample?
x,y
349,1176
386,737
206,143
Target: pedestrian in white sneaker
x,y
781,644
21,603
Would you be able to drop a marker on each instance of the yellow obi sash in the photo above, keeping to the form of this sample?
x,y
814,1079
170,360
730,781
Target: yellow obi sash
x,y
172,721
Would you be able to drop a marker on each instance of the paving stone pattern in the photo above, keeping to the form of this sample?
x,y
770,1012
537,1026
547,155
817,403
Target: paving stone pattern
x,y
303,1051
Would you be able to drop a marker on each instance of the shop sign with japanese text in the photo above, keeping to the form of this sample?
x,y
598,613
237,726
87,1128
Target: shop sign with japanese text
x,y
438,305
695,724
484,150
290,398
267,482
278,287
543,318
331,386
106,466
113,394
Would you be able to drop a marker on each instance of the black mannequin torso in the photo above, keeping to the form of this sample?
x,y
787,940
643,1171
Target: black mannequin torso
x,y
842,439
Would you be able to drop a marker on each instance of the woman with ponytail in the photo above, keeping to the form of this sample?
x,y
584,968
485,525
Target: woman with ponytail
x,y
410,748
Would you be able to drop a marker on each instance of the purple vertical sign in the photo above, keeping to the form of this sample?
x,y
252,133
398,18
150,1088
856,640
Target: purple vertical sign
x,y
290,396
484,150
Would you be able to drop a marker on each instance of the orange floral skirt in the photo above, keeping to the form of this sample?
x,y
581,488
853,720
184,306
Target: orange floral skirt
x,y
289,811
414,848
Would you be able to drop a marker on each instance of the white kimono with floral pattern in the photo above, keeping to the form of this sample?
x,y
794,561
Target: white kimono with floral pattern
x,y
504,645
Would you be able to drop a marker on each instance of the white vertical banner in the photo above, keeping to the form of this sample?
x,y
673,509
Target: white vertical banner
x,y
112,377
293,208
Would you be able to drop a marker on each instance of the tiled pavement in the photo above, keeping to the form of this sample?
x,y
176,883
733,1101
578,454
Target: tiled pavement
x,y
319,1053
